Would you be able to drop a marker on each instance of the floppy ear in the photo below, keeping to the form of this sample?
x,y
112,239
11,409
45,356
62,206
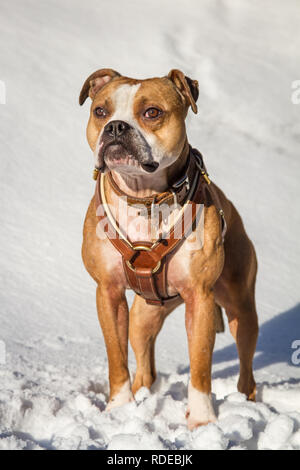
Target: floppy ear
x,y
188,88
95,82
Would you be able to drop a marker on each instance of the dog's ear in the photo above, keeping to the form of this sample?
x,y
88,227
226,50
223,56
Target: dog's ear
x,y
95,82
188,88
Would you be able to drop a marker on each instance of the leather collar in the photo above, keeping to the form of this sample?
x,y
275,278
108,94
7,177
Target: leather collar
x,y
176,193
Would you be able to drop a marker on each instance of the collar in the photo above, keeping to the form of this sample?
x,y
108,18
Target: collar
x,y
177,193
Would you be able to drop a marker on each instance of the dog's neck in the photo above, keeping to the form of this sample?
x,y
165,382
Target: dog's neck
x,y
147,185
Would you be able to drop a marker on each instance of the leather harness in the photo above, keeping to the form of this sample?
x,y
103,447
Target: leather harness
x,y
144,262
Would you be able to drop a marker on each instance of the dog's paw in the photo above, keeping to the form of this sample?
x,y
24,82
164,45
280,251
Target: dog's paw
x,y
193,423
142,380
200,409
121,398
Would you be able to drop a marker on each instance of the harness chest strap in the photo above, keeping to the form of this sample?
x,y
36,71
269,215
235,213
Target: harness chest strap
x,y
145,262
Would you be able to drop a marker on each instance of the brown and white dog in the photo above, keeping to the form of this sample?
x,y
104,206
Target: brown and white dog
x,y
137,132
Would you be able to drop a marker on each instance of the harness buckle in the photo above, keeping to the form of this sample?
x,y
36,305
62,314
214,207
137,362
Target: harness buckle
x,y
143,248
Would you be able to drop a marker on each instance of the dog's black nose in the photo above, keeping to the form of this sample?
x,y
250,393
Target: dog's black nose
x,y
116,128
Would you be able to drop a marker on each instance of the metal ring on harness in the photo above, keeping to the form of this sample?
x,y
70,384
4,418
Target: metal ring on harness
x,y
143,248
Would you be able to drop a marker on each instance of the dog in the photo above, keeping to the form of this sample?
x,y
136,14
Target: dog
x,y
137,132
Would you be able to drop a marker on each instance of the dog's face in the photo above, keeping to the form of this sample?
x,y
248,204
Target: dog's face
x,y
137,126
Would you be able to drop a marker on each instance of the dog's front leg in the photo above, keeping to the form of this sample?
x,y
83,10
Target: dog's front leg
x,y
200,326
113,316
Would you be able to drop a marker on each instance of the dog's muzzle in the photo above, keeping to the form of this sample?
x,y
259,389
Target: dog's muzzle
x,y
121,133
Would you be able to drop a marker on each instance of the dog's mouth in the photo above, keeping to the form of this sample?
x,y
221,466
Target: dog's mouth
x,y
118,156
116,151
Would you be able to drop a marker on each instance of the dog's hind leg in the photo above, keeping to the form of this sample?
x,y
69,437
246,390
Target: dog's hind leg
x,y
234,290
243,326
145,322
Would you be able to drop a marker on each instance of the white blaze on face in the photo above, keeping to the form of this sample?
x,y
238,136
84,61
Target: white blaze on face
x,y
123,101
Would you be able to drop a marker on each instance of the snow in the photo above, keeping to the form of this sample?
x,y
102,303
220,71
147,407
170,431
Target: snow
x,y
58,407
54,381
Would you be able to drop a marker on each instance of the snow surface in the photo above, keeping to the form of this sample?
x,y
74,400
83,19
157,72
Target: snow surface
x,y
54,383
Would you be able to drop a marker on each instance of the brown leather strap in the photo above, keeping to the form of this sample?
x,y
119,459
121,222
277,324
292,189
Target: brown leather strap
x,y
145,262
123,247
210,188
163,198
141,277
176,194
147,281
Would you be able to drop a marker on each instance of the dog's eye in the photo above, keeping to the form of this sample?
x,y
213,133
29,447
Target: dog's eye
x,y
100,112
152,113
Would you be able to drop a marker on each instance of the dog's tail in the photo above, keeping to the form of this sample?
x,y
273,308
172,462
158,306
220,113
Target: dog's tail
x,y
220,328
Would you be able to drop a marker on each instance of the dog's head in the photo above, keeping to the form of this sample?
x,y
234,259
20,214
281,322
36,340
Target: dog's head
x,y
137,126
